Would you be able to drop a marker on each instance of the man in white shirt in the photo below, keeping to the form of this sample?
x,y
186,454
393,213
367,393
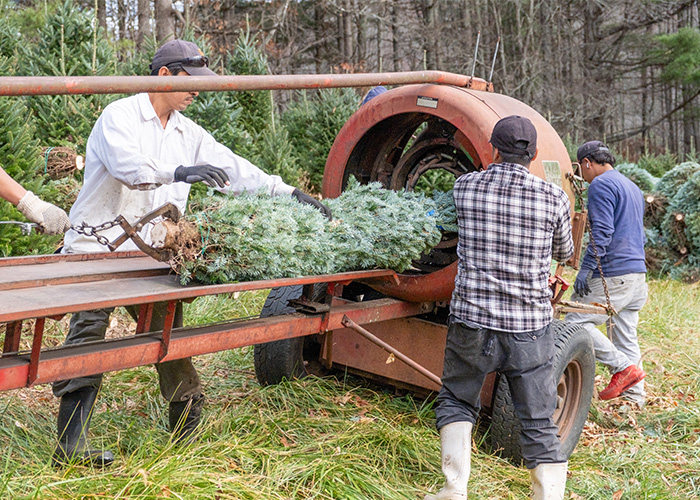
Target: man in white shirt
x,y
137,159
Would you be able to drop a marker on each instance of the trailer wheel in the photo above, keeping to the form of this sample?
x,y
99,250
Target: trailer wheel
x,y
286,359
574,368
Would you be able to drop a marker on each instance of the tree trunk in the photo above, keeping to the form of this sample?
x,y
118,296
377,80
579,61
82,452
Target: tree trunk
x,y
361,25
347,32
379,44
395,35
165,21
102,14
144,16
430,40
121,19
318,35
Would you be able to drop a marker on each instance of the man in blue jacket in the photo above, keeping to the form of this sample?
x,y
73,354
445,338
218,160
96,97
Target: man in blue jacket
x,y
616,210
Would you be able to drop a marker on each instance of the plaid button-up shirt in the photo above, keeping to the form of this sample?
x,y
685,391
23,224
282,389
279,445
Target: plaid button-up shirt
x,y
511,225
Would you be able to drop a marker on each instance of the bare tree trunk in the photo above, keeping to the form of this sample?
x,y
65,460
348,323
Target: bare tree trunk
x,y
121,19
186,12
430,40
395,35
165,20
102,14
361,25
144,16
341,31
347,32
379,44
645,102
228,12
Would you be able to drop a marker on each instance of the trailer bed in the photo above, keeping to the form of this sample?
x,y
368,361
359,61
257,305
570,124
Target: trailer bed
x,y
48,287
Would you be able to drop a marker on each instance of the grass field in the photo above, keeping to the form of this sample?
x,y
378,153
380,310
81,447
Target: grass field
x,y
341,438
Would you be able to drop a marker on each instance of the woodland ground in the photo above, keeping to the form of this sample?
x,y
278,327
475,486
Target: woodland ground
x,y
341,438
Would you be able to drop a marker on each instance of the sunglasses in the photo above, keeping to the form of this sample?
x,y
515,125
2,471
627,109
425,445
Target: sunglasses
x,y
195,61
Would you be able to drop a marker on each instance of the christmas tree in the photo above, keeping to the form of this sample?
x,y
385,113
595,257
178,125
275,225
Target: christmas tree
x,y
255,236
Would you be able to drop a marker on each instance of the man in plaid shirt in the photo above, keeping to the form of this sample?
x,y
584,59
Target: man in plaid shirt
x,y
511,224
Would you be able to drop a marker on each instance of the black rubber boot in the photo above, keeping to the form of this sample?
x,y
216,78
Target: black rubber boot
x,y
184,418
74,413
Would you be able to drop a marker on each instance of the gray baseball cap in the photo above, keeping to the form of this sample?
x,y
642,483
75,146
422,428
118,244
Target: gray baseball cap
x,y
589,148
182,53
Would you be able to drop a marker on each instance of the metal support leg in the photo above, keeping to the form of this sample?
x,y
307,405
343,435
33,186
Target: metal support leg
x,y
167,329
36,351
13,332
144,318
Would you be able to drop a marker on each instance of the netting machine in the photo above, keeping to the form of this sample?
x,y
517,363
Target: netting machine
x,y
391,328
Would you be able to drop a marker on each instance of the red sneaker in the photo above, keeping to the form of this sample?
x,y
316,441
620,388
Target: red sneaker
x,y
621,381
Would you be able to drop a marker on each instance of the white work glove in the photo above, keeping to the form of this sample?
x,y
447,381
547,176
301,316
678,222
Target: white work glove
x,y
52,219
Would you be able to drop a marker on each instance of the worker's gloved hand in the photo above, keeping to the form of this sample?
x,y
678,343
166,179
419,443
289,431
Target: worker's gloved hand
x,y
209,174
581,284
305,198
51,219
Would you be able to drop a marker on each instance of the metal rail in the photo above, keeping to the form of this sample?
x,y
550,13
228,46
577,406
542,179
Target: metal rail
x,y
39,367
67,85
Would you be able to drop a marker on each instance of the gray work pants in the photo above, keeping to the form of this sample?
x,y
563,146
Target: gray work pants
x,y
526,359
628,294
178,379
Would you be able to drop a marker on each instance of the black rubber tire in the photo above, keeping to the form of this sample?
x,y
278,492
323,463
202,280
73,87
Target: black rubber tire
x,y
574,368
282,359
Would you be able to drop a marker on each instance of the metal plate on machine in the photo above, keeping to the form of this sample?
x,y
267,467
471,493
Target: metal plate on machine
x,y
427,102
552,173
420,340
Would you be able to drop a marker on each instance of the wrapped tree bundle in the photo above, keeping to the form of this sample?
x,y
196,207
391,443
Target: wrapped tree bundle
x,y
672,180
654,209
681,230
256,237
61,161
681,224
643,179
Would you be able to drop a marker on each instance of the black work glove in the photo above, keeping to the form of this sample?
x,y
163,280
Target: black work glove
x,y
209,174
305,198
581,284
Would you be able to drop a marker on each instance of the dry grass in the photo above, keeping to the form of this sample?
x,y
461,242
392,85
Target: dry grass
x,y
339,438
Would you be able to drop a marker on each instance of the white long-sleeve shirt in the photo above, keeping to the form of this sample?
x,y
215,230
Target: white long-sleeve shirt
x,y
128,147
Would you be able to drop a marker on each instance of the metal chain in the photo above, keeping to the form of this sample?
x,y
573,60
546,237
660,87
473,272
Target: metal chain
x,y
93,230
578,191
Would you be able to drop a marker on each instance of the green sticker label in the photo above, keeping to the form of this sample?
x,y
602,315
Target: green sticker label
x,y
552,173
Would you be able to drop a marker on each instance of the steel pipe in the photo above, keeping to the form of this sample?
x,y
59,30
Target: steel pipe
x,y
62,85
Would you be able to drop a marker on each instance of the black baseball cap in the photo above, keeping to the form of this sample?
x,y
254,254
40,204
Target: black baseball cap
x,y
515,135
185,54
589,148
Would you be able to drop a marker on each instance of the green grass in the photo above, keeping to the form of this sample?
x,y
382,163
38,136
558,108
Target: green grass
x,y
341,438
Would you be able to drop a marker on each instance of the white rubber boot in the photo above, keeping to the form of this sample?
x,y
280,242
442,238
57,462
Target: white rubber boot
x,y
548,481
456,451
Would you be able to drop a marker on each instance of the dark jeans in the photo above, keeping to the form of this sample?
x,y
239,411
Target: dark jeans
x,y
526,360
178,379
